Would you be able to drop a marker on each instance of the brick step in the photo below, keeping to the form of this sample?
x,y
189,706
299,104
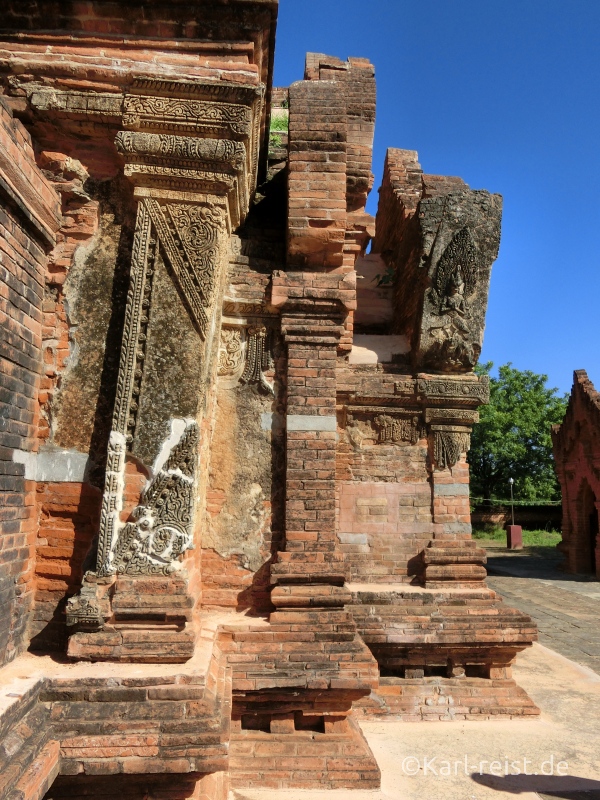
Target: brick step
x,y
303,760
455,555
25,746
141,644
414,699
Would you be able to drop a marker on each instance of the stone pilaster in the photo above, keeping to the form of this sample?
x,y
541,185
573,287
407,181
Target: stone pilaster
x,y
190,192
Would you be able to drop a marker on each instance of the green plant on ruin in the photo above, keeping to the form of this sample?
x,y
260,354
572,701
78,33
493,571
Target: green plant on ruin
x,y
280,123
385,278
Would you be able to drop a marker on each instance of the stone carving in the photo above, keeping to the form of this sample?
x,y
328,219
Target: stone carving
x,y
84,611
441,257
198,177
112,501
397,429
449,443
460,389
128,387
452,345
258,358
191,244
159,145
455,276
186,115
461,415
405,386
231,353
136,320
162,530
217,91
198,229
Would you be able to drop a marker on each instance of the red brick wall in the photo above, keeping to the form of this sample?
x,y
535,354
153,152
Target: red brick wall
x,y
68,515
576,444
68,520
29,213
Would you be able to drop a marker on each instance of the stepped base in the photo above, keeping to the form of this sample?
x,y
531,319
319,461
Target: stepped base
x,y
303,759
145,620
433,699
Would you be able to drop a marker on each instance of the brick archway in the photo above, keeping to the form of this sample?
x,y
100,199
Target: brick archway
x,y
587,529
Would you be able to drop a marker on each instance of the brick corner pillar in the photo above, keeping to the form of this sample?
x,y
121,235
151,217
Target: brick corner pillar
x,y
309,577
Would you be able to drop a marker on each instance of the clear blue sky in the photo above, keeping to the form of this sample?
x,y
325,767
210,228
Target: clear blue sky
x,y
504,93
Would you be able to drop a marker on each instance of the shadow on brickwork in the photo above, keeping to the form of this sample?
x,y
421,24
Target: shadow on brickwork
x,y
49,622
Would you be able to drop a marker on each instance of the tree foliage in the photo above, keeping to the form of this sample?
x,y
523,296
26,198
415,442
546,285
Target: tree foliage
x,y
512,438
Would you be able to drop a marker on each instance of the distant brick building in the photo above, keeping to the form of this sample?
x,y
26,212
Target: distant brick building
x,y
576,444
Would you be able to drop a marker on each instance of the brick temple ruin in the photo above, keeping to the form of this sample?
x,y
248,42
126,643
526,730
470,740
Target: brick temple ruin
x,y
233,447
576,445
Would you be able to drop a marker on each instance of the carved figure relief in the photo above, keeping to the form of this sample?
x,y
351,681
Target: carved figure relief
x,y
454,283
162,527
456,275
397,429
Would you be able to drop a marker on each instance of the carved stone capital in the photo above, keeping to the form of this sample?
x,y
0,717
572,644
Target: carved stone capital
x,y
449,443
178,135
245,353
216,166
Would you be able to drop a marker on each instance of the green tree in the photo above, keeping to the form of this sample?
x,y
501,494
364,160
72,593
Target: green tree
x,y
512,438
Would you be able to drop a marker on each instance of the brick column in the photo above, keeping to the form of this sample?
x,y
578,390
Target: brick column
x,y
452,556
308,576
312,323
311,435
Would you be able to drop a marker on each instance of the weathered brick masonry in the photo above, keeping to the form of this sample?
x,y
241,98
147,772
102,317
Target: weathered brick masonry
x,y
29,219
236,496
576,443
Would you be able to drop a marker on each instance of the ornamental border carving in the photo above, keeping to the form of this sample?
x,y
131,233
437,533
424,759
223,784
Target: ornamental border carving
x,y
186,114
186,148
465,416
463,390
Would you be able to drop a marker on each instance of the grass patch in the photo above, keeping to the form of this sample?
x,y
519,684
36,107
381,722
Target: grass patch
x,y
536,538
